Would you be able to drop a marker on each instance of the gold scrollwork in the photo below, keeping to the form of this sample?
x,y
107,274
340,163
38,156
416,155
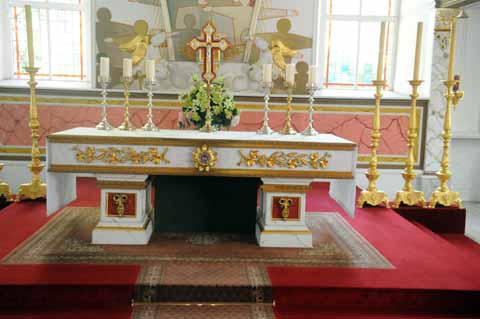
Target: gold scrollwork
x,y
114,155
281,159
285,204
120,200
204,158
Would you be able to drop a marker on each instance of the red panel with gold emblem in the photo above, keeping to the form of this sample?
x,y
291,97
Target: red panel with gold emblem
x,y
121,204
286,208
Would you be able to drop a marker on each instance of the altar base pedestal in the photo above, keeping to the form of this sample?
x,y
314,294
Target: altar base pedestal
x,y
126,211
281,219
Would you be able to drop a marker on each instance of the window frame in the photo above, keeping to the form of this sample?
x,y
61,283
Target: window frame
x,y
9,73
323,39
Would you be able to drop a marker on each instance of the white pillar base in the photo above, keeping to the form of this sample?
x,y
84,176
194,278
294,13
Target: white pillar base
x,y
284,238
109,235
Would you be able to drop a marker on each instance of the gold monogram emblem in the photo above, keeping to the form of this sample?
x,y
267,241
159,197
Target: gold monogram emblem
x,y
120,200
285,204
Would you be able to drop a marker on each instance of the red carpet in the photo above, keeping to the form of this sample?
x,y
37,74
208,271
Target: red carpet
x,y
431,272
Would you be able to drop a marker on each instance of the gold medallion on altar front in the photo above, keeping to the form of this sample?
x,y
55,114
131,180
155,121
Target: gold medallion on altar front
x,y
204,158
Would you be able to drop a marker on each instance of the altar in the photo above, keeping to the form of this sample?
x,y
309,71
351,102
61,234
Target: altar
x,y
124,161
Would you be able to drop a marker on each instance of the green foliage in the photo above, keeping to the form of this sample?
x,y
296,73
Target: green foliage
x,y
194,104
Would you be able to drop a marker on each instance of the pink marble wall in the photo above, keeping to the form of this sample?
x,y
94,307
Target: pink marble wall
x,y
14,128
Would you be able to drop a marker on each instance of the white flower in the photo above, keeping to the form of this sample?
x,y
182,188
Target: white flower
x,y
235,121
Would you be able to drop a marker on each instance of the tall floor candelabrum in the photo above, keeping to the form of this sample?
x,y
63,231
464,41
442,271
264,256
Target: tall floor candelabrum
x,y
408,195
443,195
265,129
35,188
372,196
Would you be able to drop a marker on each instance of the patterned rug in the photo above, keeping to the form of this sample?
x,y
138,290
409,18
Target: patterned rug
x,y
197,267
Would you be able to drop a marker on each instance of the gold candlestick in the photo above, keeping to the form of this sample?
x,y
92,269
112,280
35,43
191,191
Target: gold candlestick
x,y
4,187
104,125
288,128
208,127
126,125
443,195
372,196
408,195
265,129
36,188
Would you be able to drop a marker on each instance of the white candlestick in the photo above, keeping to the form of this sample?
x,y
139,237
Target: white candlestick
x,y
267,73
127,68
312,75
28,18
105,68
150,70
290,74
418,51
381,52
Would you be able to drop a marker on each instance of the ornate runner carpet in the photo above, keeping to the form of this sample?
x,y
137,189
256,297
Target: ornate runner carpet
x,y
191,267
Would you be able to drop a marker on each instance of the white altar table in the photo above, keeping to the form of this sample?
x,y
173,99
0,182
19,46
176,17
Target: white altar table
x,y
122,162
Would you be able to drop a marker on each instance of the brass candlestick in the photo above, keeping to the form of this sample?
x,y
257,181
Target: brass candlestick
x,y
443,195
4,187
266,130
372,196
104,124
408,195
288,128
36,188
150,125
310,130
126,125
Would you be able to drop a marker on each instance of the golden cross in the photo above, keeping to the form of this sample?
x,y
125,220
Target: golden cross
x,y
207,46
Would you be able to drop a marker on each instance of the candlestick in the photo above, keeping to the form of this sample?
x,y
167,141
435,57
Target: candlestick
x,y
28,19
418,51
288,128
290,74
443,195
36,188
104,124
267,86
150,125
127,68
267,73
372,196
310,130
127,124
381,52
104,69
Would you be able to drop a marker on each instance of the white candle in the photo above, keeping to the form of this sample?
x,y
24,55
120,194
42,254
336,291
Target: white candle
x,y
418,51
290,74
451,57
267,73
105,68
28,18
312,75
127,68
381,52
150,70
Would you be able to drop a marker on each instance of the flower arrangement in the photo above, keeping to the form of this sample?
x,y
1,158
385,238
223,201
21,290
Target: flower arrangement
x,y
223,110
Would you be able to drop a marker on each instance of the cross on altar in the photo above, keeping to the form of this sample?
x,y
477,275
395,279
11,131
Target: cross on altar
x,y
207,46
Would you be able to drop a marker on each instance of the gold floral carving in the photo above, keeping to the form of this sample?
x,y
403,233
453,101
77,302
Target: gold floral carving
x,y
285,204
204,158
114,155
120,200
291,160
